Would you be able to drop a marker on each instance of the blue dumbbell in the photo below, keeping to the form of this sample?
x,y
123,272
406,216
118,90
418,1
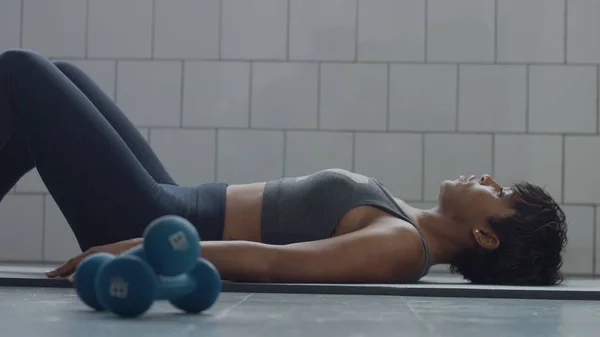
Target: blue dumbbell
x,y
85,277
171,247
128,287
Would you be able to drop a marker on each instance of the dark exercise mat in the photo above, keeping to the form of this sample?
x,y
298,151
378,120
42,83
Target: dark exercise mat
x,y
430,286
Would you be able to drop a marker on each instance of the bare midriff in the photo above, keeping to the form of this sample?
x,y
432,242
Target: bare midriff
x,y
243,214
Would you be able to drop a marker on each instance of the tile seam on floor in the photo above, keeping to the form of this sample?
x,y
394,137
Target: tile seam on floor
x,y
233,306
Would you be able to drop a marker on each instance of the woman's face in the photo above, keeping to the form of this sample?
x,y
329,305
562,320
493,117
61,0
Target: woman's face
x,y
475,200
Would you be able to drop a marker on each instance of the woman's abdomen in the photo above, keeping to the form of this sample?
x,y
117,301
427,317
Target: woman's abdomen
x,y
243,210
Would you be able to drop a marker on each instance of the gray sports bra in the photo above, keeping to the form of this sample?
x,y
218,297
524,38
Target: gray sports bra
x,y
309,208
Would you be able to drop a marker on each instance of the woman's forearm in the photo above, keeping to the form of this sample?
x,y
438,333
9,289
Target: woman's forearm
x,y
239,260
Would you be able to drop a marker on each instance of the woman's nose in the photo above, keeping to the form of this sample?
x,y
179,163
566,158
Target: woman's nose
x,y
486,179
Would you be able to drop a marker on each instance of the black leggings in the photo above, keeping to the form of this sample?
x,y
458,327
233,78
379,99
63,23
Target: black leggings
x,y
106,180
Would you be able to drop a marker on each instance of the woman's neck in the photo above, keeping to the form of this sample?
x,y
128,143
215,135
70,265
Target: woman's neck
x,y
443,236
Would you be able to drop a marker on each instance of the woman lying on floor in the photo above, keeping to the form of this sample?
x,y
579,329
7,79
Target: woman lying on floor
x,y
330,226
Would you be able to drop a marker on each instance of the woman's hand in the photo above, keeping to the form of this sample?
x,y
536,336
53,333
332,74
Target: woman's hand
x,y
69,267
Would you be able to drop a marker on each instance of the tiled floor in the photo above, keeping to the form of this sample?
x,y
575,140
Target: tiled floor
x,y
59,313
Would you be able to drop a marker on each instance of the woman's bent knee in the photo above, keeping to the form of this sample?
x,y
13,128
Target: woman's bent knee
x,y
16,57
66,67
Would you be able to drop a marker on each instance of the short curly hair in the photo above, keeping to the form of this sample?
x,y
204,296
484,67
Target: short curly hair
x,y
531,244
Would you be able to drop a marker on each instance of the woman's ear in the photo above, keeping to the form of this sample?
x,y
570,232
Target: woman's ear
x,y
486,239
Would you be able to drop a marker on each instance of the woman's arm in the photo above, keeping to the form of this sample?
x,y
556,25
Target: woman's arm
x,y
383,252
379,253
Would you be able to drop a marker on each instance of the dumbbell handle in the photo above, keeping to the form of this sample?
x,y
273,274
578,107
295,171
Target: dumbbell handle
x,y
137,251
170,288
167,288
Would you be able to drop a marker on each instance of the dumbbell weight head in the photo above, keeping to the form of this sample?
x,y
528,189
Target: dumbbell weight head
x,y
206,291
171,245
87,270
126,286
85,276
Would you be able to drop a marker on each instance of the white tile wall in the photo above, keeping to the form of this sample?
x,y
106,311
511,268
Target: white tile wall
x,y
10,23
254,29
410,92
149,92
460,30
448,156
245,156
582,162
31,183
597,242
55,28
391,30
216,94
310,151
579,254
186,29
492,98
534,158
322,30
423,97
188,155
145,132
563,99
583,45
120,28
396,160
285,95
22,219
350,90
531,31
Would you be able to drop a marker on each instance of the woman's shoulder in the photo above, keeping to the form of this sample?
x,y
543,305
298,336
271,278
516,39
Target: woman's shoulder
x,y
406,243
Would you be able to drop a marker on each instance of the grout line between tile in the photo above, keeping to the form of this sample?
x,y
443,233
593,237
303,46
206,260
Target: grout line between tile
x,y
373,131
318,96
594,241
388,98
423,167
493,155
353,152
216,166
527,99
496,6
564,157
22,23
356,30
182,93
288,27
426,32
153,30
251,73
274,60
284,166
87,28
457,103
220,42
565,32
116,81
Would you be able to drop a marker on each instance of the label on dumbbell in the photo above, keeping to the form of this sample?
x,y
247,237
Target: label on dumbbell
x,y
118,288
178,241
